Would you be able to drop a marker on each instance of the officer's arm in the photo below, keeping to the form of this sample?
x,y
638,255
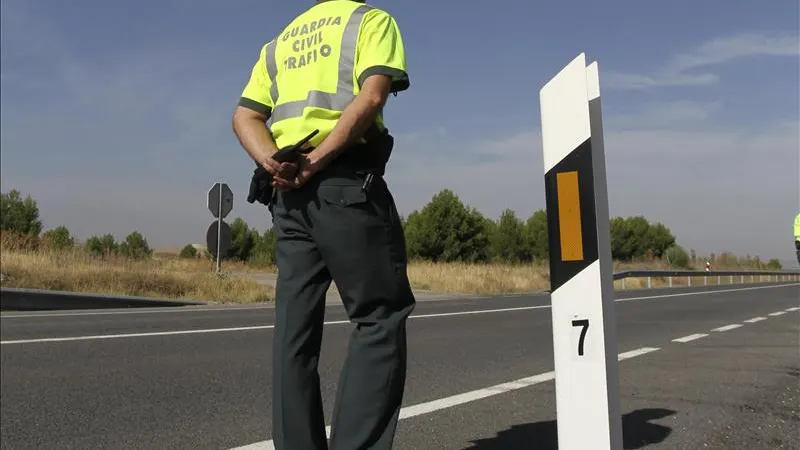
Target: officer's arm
x,y
251,129
359,115
380,68
251,115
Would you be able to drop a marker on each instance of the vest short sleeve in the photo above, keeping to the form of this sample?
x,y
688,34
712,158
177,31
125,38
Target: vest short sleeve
x,y
380,50
256,93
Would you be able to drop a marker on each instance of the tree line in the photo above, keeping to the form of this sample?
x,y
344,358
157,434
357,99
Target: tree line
x,y
444,230
21,216
447,230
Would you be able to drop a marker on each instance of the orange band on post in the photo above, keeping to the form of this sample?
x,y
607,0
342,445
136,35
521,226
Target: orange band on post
x,y
569,216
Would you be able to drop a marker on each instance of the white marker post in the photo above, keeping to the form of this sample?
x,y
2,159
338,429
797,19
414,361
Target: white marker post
x,y
584,326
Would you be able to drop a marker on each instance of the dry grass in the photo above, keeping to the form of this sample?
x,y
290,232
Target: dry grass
x,y
201,264
76,271
488,279
484,279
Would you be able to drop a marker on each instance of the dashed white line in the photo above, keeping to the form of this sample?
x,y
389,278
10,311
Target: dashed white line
x,y
637,352
466,397
690,338
459,399
793,309
777,313
755,319
728,327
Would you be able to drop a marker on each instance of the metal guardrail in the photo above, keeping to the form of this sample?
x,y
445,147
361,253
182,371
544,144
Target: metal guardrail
x,y
763,276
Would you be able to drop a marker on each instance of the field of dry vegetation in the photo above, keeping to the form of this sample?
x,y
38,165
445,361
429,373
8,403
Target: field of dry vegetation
x,y
30,263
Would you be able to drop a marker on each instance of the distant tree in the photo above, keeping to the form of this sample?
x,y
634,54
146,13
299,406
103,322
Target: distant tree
x,y
243,239
727,259
536,239
676,256
635,238
19,215
638,237
491,228
622,242
472,237
446,230
188,251
508,239
135,246
104,245
774,264
658,240
58,238
264,248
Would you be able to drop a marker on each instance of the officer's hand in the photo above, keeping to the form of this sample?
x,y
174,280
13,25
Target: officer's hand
x,y
281,170
304,172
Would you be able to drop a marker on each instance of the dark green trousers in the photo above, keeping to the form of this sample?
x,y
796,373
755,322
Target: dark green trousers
x,y
329,230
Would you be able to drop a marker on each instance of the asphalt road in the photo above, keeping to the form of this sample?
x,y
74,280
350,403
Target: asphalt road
x,y
198,377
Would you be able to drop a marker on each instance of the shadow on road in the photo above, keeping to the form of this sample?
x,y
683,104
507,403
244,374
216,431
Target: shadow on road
x,y
637,432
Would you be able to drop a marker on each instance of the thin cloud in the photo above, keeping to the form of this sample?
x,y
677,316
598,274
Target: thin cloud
x,y
664,115
681,69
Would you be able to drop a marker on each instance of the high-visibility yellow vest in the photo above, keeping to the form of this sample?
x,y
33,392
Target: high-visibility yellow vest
x,y
797,227
307,75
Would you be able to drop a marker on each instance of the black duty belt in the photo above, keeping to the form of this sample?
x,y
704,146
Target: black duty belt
x,y
368,159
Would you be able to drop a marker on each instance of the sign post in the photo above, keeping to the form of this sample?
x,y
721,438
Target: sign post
x,y
218,236
581,280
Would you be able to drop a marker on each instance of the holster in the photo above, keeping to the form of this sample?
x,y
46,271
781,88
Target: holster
x,y
370,157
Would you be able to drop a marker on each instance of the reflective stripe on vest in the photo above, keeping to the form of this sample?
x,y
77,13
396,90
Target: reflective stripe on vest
x,y
344,91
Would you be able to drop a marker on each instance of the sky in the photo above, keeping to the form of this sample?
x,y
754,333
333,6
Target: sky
x,y
116,115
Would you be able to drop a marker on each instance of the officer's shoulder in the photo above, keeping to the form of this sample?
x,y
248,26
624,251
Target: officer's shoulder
x,y
377,13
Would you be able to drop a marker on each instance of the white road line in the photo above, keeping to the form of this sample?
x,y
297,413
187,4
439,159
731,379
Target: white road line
x,y
420,316
466,397
728,327
478,311
792,309
260,327
755,319
163,310
117,336
637,352
777,313
690,338
714,291
189,309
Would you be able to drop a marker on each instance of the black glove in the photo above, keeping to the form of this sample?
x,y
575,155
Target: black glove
x,y
260,186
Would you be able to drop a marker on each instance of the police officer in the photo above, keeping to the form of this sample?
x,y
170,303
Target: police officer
x,y
797,236
331,69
